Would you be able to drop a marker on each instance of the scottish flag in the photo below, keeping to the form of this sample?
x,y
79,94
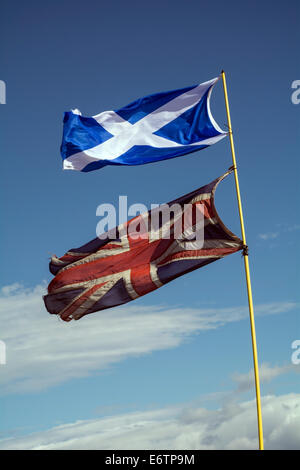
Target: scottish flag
x,y
155,127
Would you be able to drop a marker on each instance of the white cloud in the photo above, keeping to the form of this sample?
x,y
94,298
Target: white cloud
x,y
10,289
283,229
233,426
267,373
292,228
43,351
268,236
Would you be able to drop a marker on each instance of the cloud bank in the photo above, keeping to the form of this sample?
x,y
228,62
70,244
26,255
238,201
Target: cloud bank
x,y
186,427
42,351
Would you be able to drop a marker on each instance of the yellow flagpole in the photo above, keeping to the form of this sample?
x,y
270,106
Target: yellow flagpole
x,y
247,271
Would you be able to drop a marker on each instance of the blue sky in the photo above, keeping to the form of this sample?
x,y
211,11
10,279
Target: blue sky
x,y
96,56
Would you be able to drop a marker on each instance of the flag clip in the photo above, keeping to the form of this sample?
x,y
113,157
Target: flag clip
x,y
232,168
245,251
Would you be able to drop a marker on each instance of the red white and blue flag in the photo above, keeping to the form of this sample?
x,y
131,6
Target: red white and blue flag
x,y
108,272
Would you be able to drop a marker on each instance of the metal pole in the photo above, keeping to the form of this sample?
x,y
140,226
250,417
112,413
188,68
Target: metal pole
x,y
247,271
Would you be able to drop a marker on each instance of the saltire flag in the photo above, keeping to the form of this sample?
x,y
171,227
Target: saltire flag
x,y
156,127
108,272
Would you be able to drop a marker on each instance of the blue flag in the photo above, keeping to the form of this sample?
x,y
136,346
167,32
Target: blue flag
x,y
155,127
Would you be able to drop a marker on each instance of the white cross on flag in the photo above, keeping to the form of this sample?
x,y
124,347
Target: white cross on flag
x,y
156,127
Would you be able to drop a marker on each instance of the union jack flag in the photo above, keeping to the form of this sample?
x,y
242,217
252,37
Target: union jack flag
x,y
111,271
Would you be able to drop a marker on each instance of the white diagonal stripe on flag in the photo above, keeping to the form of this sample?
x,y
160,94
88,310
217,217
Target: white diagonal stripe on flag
x,y
127,135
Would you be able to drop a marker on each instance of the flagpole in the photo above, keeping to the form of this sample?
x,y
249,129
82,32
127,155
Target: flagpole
x,y
247,271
